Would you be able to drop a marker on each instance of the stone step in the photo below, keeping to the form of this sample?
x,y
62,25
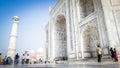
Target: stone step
x,y
86,60
89,60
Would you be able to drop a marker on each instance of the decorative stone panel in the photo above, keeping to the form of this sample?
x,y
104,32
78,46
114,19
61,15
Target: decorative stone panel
x,y
90,36
86,7
117,22
118,15
115,2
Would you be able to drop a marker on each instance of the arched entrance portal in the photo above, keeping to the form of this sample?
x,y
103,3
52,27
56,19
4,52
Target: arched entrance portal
x,y
90,41
60,38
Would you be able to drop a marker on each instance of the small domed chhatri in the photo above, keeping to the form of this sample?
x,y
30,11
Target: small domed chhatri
x,y
16,18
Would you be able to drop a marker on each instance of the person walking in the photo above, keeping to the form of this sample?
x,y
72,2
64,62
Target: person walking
x,y
112,53
16,59
99,53
115,55
23,59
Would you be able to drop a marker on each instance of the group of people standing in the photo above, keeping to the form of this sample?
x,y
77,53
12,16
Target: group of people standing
x,y
6,60
113,54
25,59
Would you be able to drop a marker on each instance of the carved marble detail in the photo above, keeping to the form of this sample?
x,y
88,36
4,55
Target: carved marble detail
x,y
115,2
118,16
60,37
86,7
90,38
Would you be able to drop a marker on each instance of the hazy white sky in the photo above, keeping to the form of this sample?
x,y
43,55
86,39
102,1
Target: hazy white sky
x,y
33,16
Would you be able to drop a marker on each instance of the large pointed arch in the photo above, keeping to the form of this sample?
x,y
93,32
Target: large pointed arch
x,y
60,38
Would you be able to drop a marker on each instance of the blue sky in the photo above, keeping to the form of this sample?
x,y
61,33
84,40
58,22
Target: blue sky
x,y
33,16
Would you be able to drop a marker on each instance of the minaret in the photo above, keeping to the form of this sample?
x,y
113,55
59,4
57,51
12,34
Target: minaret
x,y
13,37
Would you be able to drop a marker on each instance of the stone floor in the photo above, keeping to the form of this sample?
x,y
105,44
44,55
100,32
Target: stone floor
x,y
79,65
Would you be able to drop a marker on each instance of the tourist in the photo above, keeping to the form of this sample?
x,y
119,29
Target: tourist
x,y
99,53
9,60
115,55
5,60
16,59
1,59
27,59
23,59
112,53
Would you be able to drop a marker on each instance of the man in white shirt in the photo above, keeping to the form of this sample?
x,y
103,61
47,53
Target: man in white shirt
x,y
99,53
27,59
23,59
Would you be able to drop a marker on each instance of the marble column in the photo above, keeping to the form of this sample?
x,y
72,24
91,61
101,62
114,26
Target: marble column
x,y
78,10
68,25
75,27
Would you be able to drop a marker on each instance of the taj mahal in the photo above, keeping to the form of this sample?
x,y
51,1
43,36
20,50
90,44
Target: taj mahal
x,y
76,27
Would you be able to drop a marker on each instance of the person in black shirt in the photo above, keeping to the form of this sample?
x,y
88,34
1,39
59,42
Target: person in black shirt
x,y
16,59
112,53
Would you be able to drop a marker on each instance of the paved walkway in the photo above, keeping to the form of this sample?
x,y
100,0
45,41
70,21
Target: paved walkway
x,y
80,65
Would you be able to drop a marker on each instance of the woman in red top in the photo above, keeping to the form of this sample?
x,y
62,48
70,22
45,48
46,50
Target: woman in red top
x,y
115,55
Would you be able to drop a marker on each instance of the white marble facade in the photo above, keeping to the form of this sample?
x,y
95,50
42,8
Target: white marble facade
x,y
76,27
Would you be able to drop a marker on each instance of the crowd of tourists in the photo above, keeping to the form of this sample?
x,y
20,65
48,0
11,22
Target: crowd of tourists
x,y
113,53
25,59
8,60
